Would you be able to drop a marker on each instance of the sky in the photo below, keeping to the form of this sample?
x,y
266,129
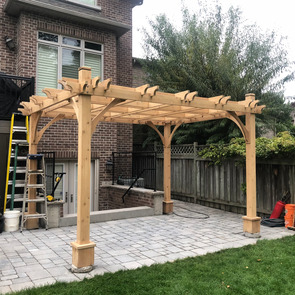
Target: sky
x,y
267,14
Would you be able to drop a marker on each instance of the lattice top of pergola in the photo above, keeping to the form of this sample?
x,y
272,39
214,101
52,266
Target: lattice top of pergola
x,y
141,105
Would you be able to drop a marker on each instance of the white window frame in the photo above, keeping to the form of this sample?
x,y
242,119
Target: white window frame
x,y
60,46
95,6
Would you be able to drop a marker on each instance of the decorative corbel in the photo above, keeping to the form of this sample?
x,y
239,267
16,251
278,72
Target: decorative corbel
x,y
235,118
40,133
98,117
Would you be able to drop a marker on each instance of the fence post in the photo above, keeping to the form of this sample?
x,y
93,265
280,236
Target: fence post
x,y
195,172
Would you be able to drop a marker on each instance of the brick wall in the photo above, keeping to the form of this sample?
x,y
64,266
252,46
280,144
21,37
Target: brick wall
x,y
61,137
7,28
136,197
139,76
118,10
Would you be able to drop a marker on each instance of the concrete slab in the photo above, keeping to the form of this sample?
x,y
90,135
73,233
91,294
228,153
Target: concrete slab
x,y
108,215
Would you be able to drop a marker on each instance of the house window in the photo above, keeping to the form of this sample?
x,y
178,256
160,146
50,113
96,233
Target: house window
x,y
61,56
87,2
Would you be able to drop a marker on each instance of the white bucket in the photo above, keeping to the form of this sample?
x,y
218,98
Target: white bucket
x,y
11,220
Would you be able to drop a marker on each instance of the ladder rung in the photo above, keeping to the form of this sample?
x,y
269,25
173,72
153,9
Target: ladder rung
x,y
17,200
35,171
16,196
23,158
37,200
20,141
20,129
36,185
17,184
18,169
27,216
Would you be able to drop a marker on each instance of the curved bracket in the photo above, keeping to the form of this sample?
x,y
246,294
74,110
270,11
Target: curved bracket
x,y
34,120
151,124
41,132
235,118
172,133
98,117
75,106
166,141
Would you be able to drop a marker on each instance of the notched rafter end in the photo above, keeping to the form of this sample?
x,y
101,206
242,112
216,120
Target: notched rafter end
x,y
105,84
182,95
142,89
225,99
152,90
216,99
49,93
35,101
190,96
25,104
186,95
260,108
87,87
95,82
23,111
65,85
254,103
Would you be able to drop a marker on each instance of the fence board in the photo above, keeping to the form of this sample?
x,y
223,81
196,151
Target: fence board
x,y
195,179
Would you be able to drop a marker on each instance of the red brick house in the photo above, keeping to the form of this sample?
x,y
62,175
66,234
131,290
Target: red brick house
x,y
52,39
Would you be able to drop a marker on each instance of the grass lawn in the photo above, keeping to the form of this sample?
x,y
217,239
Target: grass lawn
x,y
266,268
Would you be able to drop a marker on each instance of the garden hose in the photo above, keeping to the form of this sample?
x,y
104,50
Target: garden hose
x,y
205,216
273,222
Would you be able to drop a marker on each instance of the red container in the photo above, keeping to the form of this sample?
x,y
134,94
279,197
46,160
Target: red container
x,y
278,209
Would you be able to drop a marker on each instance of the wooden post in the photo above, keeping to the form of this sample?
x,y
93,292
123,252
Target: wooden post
x,y
167,204
83,248
251,221
33,146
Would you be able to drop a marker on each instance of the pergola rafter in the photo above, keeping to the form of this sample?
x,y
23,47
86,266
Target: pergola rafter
x,y
91,101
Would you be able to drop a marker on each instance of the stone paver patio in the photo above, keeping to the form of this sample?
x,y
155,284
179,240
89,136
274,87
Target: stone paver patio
x,y
38,257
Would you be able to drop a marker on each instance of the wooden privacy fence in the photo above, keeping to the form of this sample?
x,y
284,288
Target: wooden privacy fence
x,y
197,180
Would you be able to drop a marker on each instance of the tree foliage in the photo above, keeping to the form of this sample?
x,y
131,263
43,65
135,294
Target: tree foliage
x,y
281,146
214,53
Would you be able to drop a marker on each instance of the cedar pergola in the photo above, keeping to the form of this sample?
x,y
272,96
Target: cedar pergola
x,y
90,101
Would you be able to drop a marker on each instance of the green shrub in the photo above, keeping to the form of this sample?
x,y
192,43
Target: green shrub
x,y
281,146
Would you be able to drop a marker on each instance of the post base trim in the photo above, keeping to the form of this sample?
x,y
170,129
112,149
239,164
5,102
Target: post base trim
x,y
251,226
167,207
82,255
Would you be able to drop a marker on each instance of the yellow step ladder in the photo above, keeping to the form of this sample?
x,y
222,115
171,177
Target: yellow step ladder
x,y
16,169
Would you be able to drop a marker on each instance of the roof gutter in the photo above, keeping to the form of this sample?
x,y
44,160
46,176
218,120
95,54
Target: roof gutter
x,y
15,7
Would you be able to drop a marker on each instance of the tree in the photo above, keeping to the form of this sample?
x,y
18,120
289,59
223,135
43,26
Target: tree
x,y
215,53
